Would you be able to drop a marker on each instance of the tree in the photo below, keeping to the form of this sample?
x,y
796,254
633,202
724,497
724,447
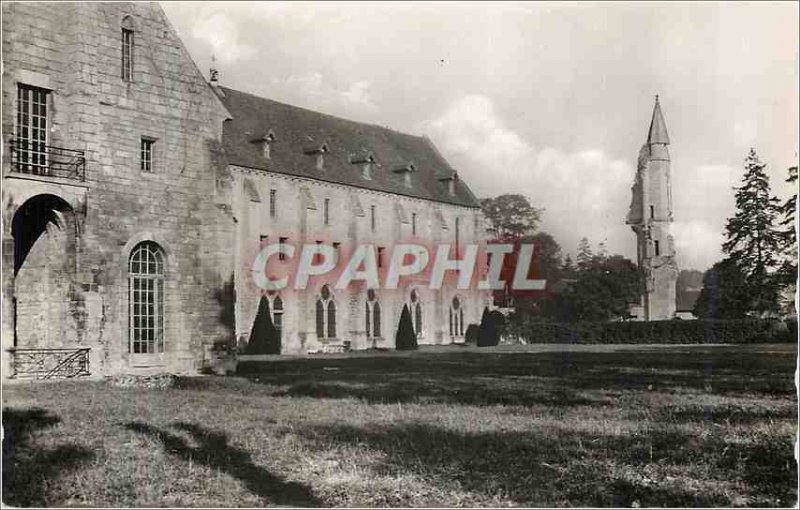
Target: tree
x,y
585,254
725,293
487,332
567,268
603,289
405,340
546,257
751,240
511,215
788,234
264,338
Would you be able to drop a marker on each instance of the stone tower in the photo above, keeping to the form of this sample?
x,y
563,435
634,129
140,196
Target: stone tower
x,y
650,217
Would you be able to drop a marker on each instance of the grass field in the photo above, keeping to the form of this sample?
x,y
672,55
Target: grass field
x,y
675,426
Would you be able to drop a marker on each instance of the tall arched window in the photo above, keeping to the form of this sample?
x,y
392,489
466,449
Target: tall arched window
x,y
146,298
416,312
277,313
326,314
127,48
373,315
456,317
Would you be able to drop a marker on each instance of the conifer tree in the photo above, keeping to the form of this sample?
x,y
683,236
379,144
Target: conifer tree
x,y
405,339
585,254
751,239
788,232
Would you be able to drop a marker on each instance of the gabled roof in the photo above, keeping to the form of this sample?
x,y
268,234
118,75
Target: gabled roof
x,y
296,129
658,128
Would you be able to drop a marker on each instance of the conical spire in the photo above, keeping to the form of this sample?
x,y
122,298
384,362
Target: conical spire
x,y
658,128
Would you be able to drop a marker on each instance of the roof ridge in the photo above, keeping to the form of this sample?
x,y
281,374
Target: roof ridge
x,y
330,115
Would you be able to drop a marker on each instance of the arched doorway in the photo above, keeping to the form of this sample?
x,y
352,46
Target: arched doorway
x,y
45,240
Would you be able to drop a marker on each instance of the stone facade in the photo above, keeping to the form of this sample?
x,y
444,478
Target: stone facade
x,y
72,288
72,224
650,217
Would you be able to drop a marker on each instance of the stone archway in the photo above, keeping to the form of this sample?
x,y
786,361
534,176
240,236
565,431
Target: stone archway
x,y
44,232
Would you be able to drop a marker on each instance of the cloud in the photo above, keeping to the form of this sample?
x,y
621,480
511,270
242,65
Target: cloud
x,y
221,33
314,90
584,193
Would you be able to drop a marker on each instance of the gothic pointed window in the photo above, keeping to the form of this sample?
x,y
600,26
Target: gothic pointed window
x,y
373,315
146,299
326,314
277,313
416,312
456,317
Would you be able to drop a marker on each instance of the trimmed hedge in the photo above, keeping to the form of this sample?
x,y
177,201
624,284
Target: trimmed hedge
x,y
744,331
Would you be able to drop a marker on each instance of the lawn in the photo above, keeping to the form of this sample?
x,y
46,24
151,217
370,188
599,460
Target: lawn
x,y
675,426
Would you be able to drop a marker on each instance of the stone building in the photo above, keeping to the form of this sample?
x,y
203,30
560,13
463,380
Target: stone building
x,y
135,194
650,217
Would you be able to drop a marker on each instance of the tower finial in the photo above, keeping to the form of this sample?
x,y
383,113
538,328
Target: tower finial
x,y
213,73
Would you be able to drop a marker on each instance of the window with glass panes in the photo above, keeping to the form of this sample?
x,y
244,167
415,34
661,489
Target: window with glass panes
x,y
146,298
147,154
32,129
127,54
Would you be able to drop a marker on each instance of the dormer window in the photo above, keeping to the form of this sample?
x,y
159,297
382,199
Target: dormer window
x,y
265,140
451,183
367,162
406,170
319,151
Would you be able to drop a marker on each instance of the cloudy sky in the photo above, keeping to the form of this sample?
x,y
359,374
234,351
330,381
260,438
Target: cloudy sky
x,y
551,100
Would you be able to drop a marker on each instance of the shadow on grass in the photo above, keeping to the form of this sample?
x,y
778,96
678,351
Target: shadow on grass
x,y
558,468
550,378
27,467
215,452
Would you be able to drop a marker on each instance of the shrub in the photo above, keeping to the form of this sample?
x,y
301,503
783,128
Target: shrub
x,y
487,332
405,340
708,331
471,336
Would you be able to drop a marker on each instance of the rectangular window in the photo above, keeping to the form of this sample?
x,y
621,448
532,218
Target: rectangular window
x,y
336,247
413,223
326,211
147,154
380,256
658,250
318,255
458,228
281,243
652,212
127,54
273,196
372,217
32,129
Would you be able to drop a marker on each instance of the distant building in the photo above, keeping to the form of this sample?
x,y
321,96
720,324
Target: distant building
x,y
650,216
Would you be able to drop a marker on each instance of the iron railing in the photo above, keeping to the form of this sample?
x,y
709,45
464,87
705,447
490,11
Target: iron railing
x,y
36,158
49,363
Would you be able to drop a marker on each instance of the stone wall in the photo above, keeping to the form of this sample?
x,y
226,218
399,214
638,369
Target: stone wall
x,y
299,216
75,52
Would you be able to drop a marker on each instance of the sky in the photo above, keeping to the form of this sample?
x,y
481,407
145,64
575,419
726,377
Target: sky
x,y
549,100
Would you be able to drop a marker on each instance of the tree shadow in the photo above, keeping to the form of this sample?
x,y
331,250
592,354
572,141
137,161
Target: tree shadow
x,y
27,468
526,379
215,452
561,468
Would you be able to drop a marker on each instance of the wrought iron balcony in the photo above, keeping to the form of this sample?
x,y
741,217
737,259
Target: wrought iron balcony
x,y
36,158
49,363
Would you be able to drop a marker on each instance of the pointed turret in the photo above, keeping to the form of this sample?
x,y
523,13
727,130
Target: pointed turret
x,y
658,128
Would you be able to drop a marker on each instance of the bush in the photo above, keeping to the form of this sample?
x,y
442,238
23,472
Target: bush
x,y
487,332
708,331
405,340
471,336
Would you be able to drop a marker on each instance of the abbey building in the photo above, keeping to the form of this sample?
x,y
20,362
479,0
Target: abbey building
x,y
136,194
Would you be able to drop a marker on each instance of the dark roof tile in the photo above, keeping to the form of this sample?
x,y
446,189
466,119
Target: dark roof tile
x,y
296,129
